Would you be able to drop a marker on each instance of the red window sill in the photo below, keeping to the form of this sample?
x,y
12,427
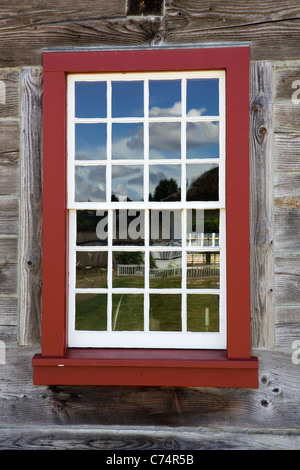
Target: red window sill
x,y
147,368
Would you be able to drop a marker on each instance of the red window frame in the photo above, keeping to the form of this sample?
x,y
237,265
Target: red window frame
x,y
233,367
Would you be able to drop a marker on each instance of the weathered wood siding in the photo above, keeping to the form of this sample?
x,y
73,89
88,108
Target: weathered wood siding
x,y
34,417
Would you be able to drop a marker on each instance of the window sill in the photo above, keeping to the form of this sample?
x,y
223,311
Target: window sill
x,y
154,367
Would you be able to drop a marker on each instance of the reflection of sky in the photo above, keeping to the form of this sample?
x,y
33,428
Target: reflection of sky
x,y
203,94
90,141
159,173
164,140
90,183
128,138
90,99
128,99
194,171
127,141
164,98
127,181
202,140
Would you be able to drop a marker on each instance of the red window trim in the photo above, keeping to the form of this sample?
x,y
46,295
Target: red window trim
x,y
59,365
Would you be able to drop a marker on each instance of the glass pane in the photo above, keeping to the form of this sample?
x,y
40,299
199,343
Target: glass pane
x,y
202,182
128,227
203,312
127,99
90,99
165,269
164,98
90,141
202,140
202,97
202,227
127,141
127,312
91,312
91,269
127,183
164,183
90,183
165,312
128,269
203,270
165,227
164,140
91,228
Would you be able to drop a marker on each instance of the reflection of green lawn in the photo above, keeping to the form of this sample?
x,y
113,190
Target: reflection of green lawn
x,y
165,282
128,281
91,312
128,312
91,278
196,305
165,312
203,283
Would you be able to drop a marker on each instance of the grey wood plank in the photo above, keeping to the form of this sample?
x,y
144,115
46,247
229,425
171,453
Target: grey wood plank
x,y
9,319
9,157
287,325
272,408
287,279
286,81
8,279
272,31
261,204
287,223
31,213
9,93
286,149
140,440
287,184
286,118
9,216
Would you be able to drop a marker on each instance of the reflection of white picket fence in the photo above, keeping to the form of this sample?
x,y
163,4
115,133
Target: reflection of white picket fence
x,y
202,239
192,271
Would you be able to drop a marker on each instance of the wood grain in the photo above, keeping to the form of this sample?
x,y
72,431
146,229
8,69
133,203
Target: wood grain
x,y
273,406
9,157
287,152
287,223
285,76
273,31
286,118
9,319
9,216
31,213
287,325
9,93
287,279
261,204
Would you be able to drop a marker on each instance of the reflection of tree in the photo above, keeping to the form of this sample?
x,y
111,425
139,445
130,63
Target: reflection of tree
x,y
128,257
164,190
203,188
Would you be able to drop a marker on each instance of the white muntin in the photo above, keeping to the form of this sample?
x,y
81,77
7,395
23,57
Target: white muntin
x,y
145,219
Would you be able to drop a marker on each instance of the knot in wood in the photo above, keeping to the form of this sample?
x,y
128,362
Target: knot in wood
x,y
262,131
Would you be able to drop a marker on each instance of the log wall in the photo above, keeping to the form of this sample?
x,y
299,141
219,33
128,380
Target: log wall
x,y
34,417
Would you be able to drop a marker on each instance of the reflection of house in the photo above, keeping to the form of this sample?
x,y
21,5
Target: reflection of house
x,y
203,188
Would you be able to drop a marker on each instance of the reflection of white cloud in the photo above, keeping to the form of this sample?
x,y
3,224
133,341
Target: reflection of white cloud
x,y
202,133
90,184
127,181
175,110
165,136
90,152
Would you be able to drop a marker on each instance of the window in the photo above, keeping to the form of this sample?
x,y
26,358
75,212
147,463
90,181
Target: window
x,y
146,232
